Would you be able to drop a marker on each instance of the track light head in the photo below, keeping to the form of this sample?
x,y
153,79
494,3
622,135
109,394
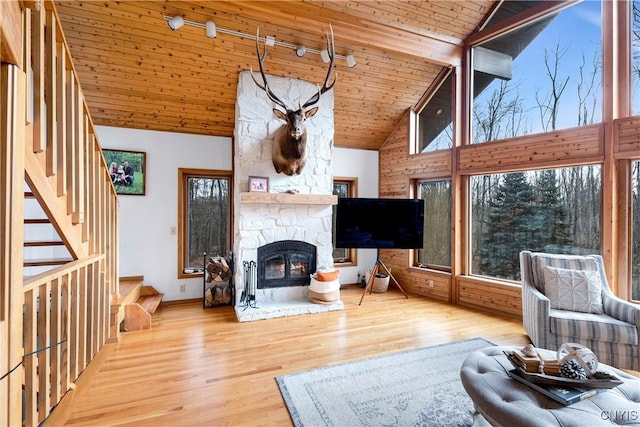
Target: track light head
x,y
300,51
211,29
176,22
324,54
351,61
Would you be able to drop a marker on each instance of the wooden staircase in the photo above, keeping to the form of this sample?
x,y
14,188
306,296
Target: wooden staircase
x,y
59,218
139,305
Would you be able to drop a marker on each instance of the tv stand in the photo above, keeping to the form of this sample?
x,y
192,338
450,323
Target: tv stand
x,y
379,264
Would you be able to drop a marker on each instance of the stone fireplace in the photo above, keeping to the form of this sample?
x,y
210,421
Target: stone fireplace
x,y
295,209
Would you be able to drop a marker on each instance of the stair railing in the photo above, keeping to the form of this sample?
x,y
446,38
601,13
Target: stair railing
x,y
66,311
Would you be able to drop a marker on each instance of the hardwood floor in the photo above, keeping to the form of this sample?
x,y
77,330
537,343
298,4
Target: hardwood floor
x,y
202,367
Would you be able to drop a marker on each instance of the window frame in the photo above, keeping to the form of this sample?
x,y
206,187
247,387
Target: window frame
x,y
184,174
352,258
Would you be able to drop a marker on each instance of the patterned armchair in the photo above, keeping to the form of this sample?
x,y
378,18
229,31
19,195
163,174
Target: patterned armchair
x,y
566,298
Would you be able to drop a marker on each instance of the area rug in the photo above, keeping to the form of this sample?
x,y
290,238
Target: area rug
x,y
419,387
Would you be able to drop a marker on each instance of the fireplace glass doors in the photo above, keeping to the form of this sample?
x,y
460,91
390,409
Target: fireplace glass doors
x,y
286,263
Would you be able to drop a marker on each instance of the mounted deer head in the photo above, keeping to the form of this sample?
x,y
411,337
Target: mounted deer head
x,y
289,150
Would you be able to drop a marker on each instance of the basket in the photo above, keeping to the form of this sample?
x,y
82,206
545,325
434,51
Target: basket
x,y
380,283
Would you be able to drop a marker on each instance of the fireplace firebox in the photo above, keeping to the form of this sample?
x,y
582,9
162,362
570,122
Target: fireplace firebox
x,y
286,263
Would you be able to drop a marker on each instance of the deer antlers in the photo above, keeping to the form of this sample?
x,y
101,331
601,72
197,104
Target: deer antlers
x,y
316,97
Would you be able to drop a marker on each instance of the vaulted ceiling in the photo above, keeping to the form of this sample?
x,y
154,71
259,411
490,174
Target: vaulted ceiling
x,y
136,72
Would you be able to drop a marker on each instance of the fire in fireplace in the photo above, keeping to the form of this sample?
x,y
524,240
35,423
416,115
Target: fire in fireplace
x,y
286,263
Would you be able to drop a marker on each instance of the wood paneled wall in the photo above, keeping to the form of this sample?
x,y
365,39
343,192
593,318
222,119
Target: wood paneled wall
x,y
627,136
397,170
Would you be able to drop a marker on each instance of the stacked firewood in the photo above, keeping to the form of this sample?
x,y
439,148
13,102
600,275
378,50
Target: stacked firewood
x,y
218,269
219,272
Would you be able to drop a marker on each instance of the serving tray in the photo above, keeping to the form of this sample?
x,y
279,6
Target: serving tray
x,y
534,377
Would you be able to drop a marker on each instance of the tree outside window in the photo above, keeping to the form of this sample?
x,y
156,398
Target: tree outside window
x,y
204,217
556,211
436,251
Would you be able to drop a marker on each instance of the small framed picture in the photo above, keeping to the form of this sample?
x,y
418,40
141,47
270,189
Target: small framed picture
x,y
127,170
259,184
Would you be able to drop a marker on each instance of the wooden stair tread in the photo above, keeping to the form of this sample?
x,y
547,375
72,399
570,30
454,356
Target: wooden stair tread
x,y
129,292
150,303
37,221
34,243
148,290
46,262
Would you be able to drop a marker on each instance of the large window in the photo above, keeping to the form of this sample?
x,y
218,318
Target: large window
x,y
555,210
204,200
434,127
436,252
343,187
540,77
635,227
635,56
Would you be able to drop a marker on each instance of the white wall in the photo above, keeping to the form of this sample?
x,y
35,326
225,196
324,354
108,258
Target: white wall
x,y
147,246
361,164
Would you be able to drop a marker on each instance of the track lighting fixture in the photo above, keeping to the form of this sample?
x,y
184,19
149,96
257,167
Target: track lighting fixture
x,y
176,22
211,29
351,61
324,55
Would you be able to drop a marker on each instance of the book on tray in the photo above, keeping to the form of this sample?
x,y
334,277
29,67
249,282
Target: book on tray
x,y
546,363
566,395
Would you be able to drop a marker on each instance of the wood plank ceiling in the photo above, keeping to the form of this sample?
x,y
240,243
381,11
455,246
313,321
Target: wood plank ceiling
x,y
136,72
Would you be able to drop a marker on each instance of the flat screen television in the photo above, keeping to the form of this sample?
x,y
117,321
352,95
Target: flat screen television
x,y
379,223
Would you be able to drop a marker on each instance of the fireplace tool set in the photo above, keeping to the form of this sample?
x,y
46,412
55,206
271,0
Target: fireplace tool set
x,y
248,297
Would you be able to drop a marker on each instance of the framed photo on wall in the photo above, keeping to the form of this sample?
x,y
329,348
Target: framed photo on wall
x,y
127,170
259,184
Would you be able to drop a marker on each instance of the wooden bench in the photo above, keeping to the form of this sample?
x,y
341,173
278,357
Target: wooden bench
x,y
139,304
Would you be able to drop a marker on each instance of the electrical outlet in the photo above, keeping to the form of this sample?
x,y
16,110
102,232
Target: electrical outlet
x,y
183,288
431,283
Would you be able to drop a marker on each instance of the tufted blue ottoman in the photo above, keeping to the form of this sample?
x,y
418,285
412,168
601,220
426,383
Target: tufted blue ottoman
x,y
505,402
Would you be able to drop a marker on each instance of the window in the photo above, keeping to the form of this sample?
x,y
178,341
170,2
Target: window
x,y
555,210
434,127
343,187
635,56
540,77
204,217
436,252
635,230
